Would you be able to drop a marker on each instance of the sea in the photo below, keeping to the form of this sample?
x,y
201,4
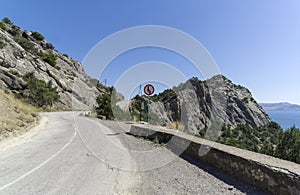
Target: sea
x,y
285,119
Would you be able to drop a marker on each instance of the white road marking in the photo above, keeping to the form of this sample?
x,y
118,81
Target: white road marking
x,y
42,164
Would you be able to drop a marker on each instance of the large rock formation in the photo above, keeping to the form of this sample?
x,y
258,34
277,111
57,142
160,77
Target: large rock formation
x,y
23,52
213,103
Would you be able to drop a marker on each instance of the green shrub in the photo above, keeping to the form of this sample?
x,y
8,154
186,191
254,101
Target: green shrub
x,y
104,106
14,72
49,46
165,95
107,107
15,30
6,20
2,44
269,139
3,26
38,36
27,45
289,145
50,58
38,92
73,74
156,140
245,100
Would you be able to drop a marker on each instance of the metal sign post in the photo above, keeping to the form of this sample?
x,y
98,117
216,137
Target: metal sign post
x,y
148,90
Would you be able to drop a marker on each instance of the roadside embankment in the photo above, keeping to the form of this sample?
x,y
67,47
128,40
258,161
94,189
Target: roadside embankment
x,y
16,117
265,172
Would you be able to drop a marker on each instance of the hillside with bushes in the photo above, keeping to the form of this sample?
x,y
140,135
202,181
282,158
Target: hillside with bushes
x,y
269,139
15,115
33,70
244,122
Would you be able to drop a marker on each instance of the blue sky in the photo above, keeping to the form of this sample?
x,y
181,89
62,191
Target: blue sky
x,y
255,43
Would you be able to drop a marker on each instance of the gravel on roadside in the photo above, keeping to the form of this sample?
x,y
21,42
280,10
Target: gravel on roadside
x,y
180,176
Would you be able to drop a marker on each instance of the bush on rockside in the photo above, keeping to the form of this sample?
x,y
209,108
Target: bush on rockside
x,y
37,36
107,108
26,44
50,58
2,44
7,21
38,92
3,26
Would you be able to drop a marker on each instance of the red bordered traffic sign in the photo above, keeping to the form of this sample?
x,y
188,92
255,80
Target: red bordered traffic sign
x,y
149,89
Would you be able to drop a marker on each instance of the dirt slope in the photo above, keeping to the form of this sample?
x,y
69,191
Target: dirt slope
x,y
15,116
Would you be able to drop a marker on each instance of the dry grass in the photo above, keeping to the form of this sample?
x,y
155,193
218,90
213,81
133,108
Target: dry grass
x,y
15,115
176,125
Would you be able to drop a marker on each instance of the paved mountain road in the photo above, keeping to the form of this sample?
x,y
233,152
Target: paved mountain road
x,y
71,154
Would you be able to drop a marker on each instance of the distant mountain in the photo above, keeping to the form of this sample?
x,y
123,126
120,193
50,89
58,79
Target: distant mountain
x,y
283,106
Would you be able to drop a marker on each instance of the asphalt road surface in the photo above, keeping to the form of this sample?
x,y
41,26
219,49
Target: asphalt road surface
x,y
71,154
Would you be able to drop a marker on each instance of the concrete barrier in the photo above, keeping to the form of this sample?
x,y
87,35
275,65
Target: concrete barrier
x,y
265,172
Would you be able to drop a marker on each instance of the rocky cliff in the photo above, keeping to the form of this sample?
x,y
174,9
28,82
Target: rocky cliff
x,y
199,105
23,52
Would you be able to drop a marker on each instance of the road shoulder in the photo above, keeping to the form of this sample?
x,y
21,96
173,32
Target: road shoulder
x,y
25,134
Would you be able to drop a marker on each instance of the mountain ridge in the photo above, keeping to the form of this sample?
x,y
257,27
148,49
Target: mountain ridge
x,y
281,106
200,105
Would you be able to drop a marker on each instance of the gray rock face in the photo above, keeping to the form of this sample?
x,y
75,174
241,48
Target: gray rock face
x,y
213,103
75,88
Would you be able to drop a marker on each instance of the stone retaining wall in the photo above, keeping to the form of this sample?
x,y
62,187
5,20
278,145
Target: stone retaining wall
x,y
265,172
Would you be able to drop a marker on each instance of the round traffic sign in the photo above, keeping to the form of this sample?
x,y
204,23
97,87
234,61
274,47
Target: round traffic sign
x,y
149,89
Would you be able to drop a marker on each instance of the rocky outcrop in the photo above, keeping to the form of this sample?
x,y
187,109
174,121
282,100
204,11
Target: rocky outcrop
x,y
201,105
22,52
